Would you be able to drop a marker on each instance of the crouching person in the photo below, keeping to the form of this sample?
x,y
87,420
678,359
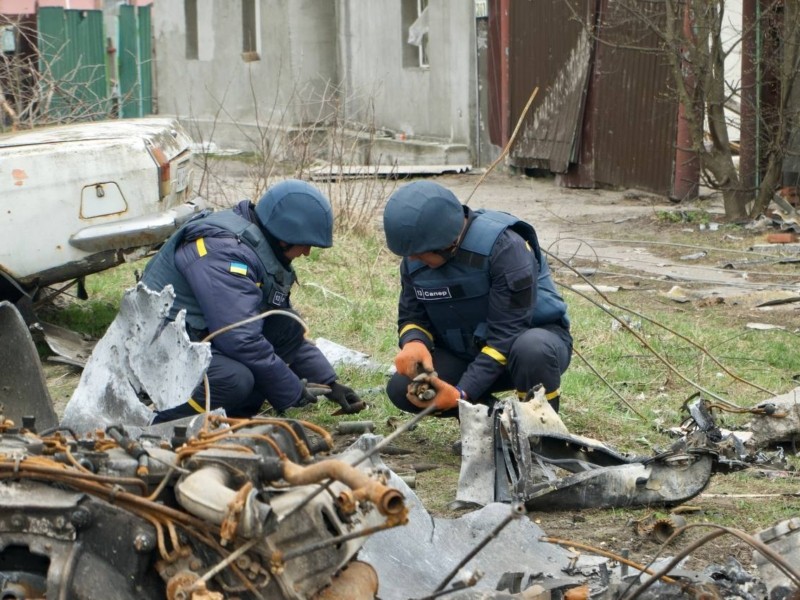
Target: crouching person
x,y
228,266
478,306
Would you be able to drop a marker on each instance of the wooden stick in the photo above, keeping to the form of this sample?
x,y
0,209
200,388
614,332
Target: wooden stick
x,y
508,145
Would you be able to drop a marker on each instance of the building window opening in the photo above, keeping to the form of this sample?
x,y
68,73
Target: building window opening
x,y
415,33
251,38
190,16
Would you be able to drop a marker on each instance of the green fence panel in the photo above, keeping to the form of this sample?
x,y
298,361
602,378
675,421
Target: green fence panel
x,y
135,61
146,59
72,64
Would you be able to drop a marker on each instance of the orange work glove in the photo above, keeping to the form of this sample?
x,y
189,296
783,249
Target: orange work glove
x,y
446,398
413,359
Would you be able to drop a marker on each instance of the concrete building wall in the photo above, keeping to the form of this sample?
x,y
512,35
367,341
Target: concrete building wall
x,y
438,101
318,60
283,84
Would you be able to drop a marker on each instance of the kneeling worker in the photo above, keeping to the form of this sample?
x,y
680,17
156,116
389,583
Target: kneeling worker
x,y
234,264
478,306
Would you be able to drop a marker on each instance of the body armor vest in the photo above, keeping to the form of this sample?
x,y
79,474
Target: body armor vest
x,y
162,270
456,295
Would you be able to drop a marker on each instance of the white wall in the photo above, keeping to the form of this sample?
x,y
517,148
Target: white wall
x,y
297,61
437,102
310,48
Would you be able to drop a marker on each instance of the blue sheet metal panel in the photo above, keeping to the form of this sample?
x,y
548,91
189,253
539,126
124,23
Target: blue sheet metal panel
x,y
72,63
145,58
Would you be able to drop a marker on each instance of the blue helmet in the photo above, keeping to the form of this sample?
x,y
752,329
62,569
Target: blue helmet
x,y
422,217
297,213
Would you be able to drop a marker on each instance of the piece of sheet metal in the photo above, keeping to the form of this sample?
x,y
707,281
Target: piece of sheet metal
x,y
23,389
477,480
411,561
70,347
334,172
141,355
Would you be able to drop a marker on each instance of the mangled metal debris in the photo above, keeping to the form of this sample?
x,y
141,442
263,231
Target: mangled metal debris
x,y
412,561
213,507
137,361
768,430
532,449
23,390
247,508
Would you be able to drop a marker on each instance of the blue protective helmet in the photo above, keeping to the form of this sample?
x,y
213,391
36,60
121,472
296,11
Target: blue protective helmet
x,y
297,213
422,217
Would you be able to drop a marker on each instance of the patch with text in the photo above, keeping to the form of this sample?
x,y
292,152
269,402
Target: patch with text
x,y
442,293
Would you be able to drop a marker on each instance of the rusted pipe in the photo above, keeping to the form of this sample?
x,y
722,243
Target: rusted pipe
x,y
388,500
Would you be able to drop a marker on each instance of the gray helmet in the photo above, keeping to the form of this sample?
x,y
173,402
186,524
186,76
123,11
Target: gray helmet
x,y
422,217
297,213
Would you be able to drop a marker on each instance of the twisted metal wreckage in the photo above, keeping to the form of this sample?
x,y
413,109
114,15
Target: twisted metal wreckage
x,y
211,507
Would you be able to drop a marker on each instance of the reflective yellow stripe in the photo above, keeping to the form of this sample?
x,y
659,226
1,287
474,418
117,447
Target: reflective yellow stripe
x,y
191,402
411,326
489,351
551,395
201,247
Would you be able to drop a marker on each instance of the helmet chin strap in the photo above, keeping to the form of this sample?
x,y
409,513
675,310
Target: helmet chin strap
x,y
450,251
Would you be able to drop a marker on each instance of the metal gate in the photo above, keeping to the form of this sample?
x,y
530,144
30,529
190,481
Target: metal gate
x,y
72,64
135,61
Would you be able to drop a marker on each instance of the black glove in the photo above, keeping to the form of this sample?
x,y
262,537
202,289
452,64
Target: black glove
x,y
346,398
306,396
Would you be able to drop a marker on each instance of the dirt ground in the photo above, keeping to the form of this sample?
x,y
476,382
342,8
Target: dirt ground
x,y
596,229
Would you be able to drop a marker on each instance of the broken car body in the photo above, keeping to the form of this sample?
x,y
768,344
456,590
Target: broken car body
x,y
77,199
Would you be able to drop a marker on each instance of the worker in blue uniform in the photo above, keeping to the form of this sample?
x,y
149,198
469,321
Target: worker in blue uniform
x,y
478,312
228,266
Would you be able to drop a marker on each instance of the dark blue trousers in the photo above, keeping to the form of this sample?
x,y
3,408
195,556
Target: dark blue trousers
x,y
233,387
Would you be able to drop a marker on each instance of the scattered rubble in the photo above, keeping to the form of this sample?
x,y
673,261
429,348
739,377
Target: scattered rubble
x,y
212,507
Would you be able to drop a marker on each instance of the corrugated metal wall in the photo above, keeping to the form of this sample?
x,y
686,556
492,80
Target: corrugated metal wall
x,y
145,58
604,114
135,63
634,144
550,50
72,63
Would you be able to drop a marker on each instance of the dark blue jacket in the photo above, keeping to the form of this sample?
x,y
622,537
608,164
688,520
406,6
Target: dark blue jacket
x,y
224,270
497,286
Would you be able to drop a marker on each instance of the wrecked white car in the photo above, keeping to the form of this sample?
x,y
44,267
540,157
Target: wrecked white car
x,y
81,198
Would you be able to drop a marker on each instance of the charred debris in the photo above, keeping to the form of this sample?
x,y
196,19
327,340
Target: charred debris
x,y
104,504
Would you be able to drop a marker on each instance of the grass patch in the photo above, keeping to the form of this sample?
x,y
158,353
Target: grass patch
x,y
349,295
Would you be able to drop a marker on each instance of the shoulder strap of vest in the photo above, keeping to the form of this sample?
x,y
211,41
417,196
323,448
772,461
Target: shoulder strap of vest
x,y
251,235
484,231
498,221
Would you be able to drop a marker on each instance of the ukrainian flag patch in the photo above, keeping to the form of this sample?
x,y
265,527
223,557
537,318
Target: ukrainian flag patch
x,y
238,268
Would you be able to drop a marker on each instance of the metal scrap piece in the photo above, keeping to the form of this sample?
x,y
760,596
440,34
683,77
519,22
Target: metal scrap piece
x,y
23,390
141,354
768,430
411,560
